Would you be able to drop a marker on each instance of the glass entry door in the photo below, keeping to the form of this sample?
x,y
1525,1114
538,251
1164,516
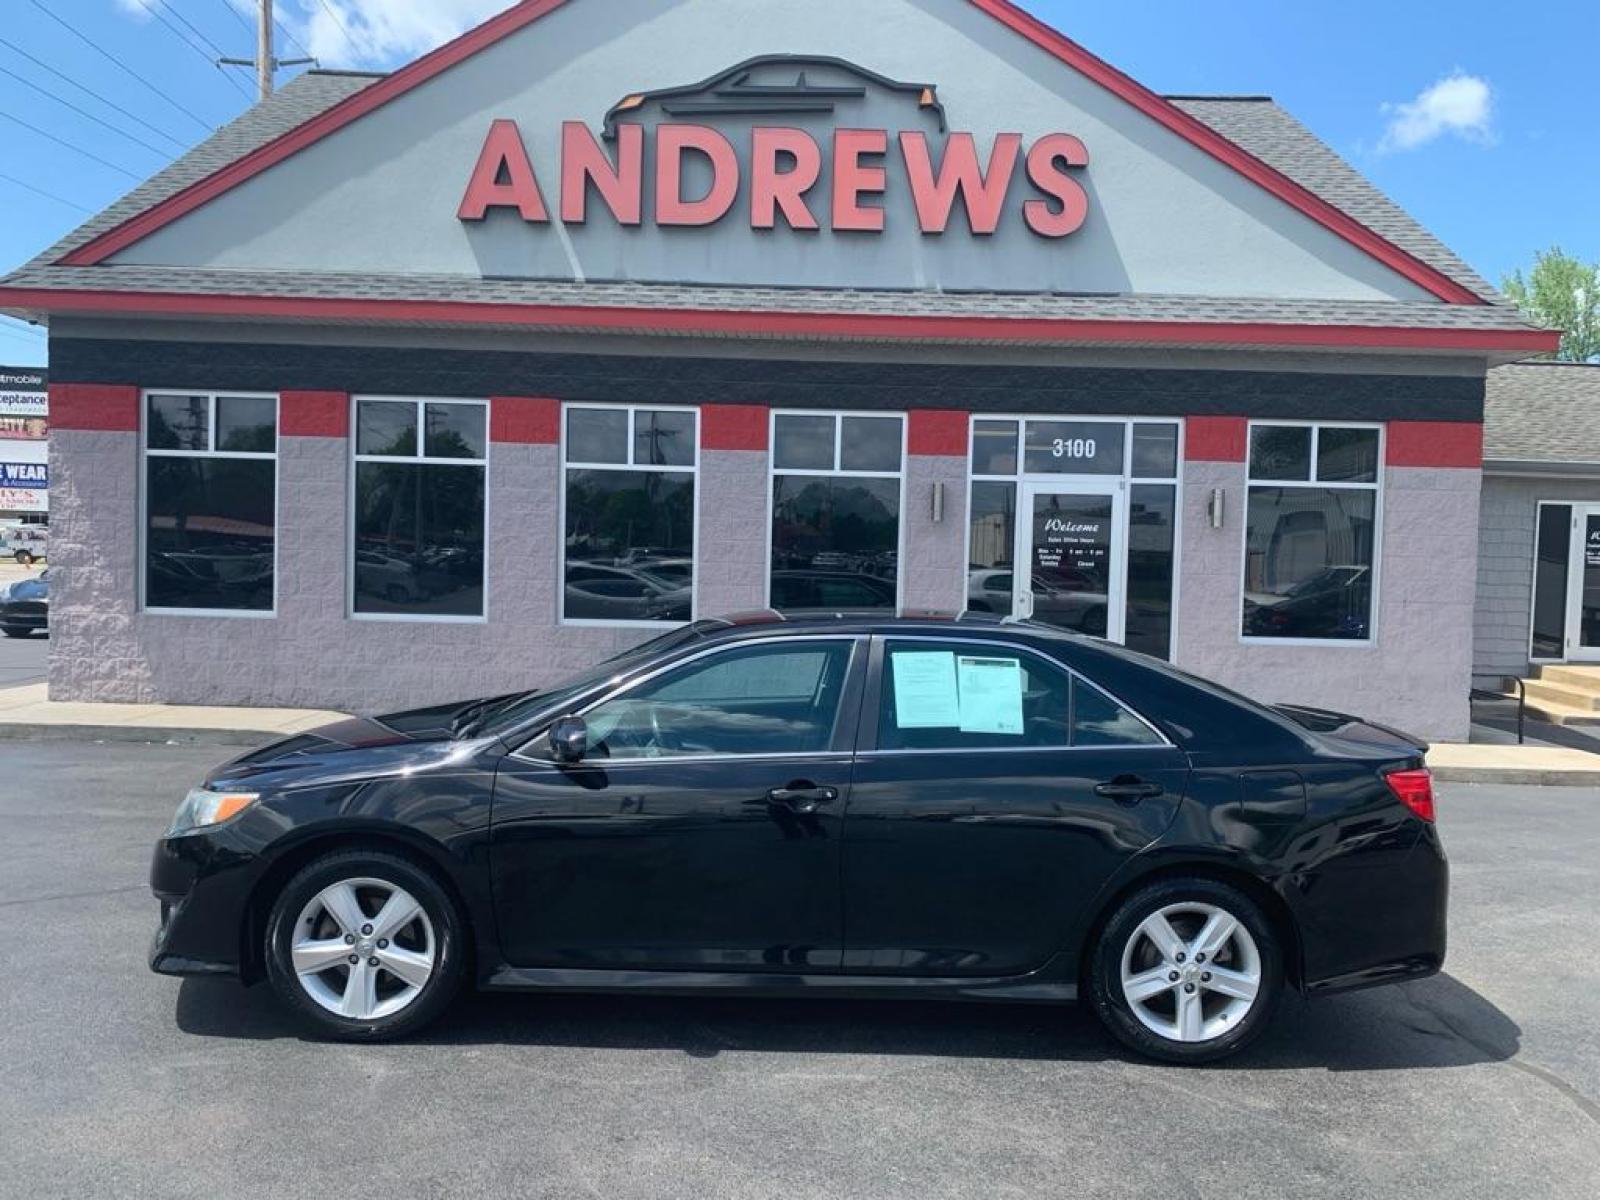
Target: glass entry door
x,y
1583,583
1072,557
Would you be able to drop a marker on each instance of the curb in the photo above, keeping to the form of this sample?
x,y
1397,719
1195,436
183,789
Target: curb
x,y
150,734
1526,776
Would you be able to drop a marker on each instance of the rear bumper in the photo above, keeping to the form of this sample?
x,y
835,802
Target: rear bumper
x,y
1372,926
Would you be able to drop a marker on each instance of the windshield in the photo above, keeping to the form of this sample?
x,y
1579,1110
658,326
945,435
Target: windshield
x,y
522,707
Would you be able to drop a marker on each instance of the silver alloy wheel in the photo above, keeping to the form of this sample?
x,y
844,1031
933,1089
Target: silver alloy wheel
x,y
363,948
1191,972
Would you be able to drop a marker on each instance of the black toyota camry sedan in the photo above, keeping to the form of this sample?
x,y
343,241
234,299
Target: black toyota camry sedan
x,y
842,806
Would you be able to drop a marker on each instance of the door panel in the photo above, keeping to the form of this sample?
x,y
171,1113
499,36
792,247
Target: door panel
x,y
662,864
981,825
701,829
977,864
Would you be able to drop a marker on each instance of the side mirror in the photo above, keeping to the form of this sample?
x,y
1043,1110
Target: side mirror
x,y
569,740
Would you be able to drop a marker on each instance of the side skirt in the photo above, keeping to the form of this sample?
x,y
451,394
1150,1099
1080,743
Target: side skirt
x,y
1032,988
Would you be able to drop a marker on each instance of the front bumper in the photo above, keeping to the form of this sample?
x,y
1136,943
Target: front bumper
x,y
202,884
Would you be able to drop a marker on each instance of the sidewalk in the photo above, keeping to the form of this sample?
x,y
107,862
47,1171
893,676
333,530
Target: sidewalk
x,y
1455,762
25,712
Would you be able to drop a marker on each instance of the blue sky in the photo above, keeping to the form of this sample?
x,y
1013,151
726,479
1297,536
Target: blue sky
x,y
1478,119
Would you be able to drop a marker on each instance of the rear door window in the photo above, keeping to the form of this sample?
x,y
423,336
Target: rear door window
x,y
960,696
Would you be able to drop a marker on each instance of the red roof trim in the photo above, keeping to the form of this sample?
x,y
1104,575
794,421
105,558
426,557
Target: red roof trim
x,y
714,322
513,19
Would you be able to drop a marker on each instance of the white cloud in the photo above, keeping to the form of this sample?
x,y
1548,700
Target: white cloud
x,y
380,33
1459,104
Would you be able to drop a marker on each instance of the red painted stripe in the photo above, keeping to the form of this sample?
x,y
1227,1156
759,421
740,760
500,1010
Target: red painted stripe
x,y
733,426
1522,342
526,420
941,431
509,22
1215,439
99,406
314,414
1434,444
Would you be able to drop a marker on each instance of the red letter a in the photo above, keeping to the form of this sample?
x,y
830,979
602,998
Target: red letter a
x,y
503,152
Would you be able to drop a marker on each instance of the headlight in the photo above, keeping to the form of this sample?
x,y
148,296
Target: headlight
x,y
202,808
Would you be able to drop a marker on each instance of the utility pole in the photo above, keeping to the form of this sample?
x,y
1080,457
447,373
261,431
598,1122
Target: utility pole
x,y
265,64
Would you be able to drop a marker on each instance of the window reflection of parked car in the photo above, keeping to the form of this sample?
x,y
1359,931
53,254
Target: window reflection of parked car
x,y
1068,607
831,590
1332,602
595,592
395,579
25,606
26,544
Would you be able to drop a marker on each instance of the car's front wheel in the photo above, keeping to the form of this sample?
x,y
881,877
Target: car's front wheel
x,y
1186,970
365,946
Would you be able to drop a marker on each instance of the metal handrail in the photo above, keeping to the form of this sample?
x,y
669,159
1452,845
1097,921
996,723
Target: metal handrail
x,y
1500,693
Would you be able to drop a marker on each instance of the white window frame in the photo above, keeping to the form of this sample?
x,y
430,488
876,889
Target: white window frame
x,y
418,459
1021,478
146,453
692,469
773,471
1376,487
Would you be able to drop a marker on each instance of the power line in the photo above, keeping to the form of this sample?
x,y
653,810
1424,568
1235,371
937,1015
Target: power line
x,y
83,112
333,12
282,28
122,66
61,141
160,15
89,91
23,183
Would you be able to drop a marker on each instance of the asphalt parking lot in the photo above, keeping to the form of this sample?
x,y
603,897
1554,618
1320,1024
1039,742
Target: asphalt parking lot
x,y
115,1082
22,660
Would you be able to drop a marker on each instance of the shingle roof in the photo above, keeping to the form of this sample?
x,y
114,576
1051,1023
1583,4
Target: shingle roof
x,y
1543,412
1256,124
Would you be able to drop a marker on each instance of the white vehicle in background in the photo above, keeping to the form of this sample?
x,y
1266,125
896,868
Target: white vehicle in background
x,y
26,544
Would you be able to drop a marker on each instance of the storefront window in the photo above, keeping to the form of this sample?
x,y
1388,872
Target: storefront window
x,y
1039,456
420,469
210,502
1310,532
835,510
630,480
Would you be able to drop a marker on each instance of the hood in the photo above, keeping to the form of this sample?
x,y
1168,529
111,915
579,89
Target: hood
x,y
351,750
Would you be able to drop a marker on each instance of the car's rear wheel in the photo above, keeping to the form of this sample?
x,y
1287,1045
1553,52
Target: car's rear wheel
x,y
1186,970
24,558
365,946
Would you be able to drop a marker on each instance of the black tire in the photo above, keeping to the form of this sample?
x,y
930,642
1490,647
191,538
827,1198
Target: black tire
x,y
24,558
1115,1012
450,935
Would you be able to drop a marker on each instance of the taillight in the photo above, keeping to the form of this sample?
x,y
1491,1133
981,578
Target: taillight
x,y
1414,789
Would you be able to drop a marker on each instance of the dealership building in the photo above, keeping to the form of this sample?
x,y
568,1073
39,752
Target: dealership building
x,y
607,317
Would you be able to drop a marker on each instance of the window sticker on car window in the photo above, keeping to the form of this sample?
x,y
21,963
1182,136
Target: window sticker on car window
x,y
991,695
925,690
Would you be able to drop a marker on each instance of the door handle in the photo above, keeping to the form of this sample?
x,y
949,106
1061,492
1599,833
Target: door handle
x,y
1128,789
802,799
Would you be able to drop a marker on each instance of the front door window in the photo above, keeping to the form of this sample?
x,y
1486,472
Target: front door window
x,y
1586,582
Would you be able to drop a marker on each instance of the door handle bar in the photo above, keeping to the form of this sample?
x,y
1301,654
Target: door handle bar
x,y
802,799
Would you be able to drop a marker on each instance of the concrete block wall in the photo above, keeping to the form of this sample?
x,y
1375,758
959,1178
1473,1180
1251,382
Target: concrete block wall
x,y
1507,514
731,575
1416,672
934,562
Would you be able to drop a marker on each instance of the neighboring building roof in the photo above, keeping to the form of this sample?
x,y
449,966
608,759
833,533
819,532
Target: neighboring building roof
x,y
1255,124
1542,414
